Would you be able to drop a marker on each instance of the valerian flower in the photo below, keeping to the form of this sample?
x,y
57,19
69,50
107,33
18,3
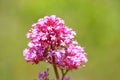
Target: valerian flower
x,y
49,38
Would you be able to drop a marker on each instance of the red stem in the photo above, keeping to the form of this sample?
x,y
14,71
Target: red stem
x,y
55,69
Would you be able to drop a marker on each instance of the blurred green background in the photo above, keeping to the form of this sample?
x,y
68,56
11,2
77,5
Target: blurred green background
x,y
97,23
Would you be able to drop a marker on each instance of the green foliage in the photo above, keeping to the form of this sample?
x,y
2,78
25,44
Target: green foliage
x,y
97,23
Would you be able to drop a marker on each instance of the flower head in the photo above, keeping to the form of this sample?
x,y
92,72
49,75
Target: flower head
x,y
51,38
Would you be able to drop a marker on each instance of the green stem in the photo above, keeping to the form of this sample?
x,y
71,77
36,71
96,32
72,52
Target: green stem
x,y
64,73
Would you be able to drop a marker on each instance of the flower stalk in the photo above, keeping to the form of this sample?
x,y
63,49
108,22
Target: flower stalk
x,y
55,69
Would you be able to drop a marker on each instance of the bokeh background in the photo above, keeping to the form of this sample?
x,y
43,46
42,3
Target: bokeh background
x,y
97,23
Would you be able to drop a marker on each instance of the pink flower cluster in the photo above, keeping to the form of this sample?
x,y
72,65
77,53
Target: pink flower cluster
x,y
50,38
71,57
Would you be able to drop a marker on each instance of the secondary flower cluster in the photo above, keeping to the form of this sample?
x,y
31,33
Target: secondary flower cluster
x,y
45,76
53,42
70,58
